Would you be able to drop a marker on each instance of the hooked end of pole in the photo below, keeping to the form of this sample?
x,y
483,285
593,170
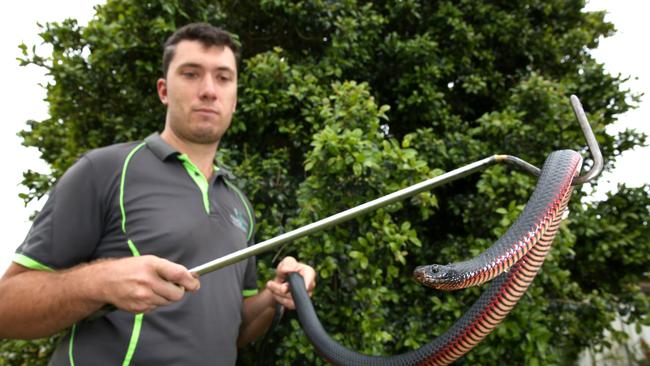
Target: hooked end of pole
x,y
594,149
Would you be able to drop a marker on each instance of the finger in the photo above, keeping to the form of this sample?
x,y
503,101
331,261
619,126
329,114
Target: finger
x,y
287,303
281,294
196,285
287,265
309,276
278,289
168,290
158,301
283,298
144,303
310,286
178,274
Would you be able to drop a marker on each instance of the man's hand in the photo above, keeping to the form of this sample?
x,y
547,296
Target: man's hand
x,y
280,288
141,284
35,304
258,310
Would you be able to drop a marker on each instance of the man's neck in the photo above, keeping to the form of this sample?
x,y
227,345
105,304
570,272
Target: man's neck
x,y
202,155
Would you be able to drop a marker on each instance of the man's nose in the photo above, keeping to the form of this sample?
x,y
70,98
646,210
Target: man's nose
x,y
208,89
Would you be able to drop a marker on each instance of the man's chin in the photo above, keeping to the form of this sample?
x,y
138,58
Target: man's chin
x,y
205,138
200,132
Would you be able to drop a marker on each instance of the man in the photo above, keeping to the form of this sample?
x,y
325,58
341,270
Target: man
x,y
125,223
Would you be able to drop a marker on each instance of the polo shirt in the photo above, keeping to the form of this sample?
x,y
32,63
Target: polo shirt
x,y
142,198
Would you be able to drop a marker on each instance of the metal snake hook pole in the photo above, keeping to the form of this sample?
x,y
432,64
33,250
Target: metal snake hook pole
x,y
349,214
409,192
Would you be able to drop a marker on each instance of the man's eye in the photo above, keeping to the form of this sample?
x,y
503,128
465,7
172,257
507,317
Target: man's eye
x,y
224,78
190,74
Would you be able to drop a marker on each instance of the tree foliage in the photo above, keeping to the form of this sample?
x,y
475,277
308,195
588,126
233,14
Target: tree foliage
x,y
341,102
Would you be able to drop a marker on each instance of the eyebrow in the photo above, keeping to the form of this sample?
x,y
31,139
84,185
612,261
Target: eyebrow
x,y
199,66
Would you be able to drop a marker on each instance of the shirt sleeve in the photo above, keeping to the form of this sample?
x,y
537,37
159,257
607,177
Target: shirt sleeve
x,y
250,276
68,228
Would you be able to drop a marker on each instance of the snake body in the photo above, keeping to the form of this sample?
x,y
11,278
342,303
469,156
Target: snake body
x,y
537,218
514,260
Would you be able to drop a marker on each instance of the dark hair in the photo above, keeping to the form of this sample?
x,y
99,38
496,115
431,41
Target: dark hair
x,y
207,34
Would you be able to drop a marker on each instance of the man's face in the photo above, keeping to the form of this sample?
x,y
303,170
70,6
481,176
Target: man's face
x,y
200,92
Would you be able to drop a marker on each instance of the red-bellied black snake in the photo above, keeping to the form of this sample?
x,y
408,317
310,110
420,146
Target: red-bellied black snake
x,y
513,262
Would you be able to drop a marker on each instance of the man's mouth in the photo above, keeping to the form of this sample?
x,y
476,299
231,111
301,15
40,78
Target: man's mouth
x,y
206,110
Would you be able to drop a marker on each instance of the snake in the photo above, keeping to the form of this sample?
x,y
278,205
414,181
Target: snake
x,y
510,265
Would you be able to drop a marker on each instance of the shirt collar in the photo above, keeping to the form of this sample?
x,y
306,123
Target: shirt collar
x,y
159,147
164,151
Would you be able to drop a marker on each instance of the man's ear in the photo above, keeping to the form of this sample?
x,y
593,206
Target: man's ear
x,y
161,86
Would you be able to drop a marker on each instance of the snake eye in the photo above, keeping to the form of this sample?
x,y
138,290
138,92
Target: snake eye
x,y
438,272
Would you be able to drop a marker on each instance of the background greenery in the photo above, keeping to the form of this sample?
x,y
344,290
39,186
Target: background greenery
x,y
344,101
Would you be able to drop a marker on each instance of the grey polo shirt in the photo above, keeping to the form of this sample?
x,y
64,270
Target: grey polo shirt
x,y
146,198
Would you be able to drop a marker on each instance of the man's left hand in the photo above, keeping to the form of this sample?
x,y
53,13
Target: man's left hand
x,y
280,288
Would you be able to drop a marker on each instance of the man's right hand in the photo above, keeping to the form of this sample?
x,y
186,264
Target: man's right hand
x,y
141,284
35,304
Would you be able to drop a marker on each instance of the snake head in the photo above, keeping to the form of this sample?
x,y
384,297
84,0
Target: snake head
x,y
438,276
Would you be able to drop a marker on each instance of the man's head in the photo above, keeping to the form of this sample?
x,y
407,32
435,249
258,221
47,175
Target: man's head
x,y
199,86
203,33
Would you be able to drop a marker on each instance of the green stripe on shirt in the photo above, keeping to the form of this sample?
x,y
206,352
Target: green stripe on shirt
x,y
25,261
249,293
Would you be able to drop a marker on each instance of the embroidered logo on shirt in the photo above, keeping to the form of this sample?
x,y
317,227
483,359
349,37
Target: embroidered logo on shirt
x,y
239,220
